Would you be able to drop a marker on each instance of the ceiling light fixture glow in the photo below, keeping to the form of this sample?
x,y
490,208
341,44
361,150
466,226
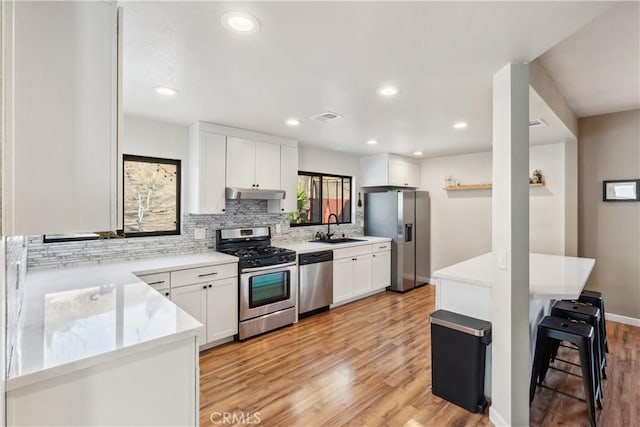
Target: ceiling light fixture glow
x,y
372,142
166,91
388,91
460,125
418,153
293,122
240,22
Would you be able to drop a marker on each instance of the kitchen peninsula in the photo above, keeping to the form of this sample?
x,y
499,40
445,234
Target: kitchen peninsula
x,y
465,288
97,327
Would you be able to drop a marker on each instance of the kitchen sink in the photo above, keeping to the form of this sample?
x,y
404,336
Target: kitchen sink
x,y
338,240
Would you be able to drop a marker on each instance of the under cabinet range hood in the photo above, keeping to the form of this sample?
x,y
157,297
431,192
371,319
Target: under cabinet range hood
x,y
254,193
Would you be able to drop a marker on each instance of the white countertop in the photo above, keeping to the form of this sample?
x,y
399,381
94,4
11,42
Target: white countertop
x,y
304,247
73,318
550,276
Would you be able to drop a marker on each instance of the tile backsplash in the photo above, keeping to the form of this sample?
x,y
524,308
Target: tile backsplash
x,y
16,267
238,213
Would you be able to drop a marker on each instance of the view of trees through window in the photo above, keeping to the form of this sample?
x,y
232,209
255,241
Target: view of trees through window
x,y
320,195
151,196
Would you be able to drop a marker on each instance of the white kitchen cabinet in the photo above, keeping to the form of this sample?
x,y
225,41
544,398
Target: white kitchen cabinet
x,y
155,386
351,273
403,173
193,300
288,181
342,279
252,164
222,309
381,265
361,274
62,146
210,294
161,282
383,170
206,176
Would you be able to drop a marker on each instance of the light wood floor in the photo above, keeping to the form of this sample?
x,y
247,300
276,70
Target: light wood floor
x,y
368,364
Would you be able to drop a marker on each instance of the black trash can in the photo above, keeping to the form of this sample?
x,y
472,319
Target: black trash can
x,y
458,350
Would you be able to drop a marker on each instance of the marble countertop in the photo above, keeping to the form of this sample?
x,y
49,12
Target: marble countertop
x,y
73,318
304,247
550,276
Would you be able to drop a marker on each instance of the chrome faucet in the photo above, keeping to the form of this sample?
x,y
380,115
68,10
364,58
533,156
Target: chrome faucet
x,y
329,233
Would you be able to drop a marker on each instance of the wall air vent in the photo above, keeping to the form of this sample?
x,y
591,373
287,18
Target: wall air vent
x,y
537,122
327,116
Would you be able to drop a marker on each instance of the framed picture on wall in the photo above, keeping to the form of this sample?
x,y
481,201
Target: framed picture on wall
x,y
620,190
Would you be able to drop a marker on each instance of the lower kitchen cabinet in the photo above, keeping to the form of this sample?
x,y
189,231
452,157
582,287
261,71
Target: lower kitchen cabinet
x,y
222,309
213,302
351,273
193,300
381,266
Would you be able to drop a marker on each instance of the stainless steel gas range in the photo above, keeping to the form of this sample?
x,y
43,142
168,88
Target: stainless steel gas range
x,y
267,279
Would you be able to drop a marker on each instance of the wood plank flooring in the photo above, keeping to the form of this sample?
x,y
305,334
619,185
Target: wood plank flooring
x,y
368,364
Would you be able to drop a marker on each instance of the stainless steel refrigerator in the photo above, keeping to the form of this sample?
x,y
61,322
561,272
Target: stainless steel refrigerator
x,y
402,215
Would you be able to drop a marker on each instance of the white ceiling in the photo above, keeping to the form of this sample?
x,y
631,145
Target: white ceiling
x,y
311,57
597,69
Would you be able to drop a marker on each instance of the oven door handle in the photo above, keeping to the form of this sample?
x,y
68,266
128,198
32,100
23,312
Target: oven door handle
x,y
269,267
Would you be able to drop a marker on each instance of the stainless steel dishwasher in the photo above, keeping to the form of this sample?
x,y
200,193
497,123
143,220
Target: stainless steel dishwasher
x,y
316,281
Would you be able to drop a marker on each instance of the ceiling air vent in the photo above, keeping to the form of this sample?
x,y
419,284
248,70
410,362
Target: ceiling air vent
x,y
537,122
327,116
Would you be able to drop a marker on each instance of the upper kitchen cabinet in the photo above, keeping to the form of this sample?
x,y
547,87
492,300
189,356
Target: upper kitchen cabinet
x,y
288,181
252,164
61,87
206,177
384,170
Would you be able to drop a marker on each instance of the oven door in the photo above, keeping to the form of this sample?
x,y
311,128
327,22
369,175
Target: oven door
x,y
264,290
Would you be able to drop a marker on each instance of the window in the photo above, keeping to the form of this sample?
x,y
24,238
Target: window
x,y
151,196
320,195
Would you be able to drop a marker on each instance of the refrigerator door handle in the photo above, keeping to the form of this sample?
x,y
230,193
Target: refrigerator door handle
x,y
408,232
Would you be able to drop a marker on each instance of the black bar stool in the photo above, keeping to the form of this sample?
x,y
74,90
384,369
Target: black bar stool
x,y
550,331
590,315
595,299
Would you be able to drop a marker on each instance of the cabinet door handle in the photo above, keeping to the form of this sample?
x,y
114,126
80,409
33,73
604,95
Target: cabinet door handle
x,y
166,294
208,274
204,287
257,185
210,286
156,283
374,255
382,247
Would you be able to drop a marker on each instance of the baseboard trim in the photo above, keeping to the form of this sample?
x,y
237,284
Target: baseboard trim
x,y
496,418
623,319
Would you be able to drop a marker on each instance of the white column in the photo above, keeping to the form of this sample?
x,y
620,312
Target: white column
x,y
510,244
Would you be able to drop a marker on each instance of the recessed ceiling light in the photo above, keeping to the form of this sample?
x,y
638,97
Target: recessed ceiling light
x,y
388,91
293,122
166,91
418,153
372,142
240,22
460,125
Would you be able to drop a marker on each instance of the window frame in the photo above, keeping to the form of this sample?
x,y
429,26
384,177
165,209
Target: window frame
x,y
321,176
178,164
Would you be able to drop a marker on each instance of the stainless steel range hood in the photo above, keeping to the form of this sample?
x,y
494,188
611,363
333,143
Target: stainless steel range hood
x,y
255,194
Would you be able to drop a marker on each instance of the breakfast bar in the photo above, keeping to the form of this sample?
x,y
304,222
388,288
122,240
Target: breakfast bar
x,y
465,288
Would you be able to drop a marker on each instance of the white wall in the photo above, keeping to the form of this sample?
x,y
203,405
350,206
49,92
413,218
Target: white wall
x,y
327,161
144,137
461,220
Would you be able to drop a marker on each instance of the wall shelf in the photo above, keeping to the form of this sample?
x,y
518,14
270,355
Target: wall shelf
x,y
481,186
